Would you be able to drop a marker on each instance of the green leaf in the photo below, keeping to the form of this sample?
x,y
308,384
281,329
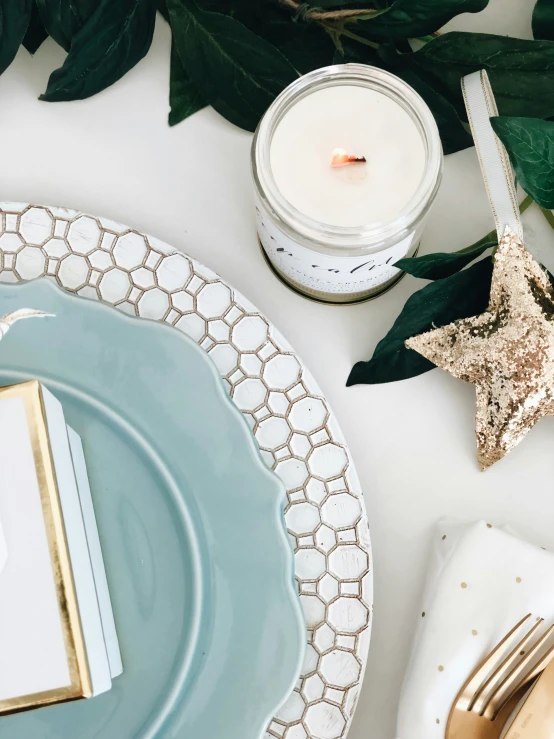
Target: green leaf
x,y
14,21
63,18
521,71
238,72
36,33
355,53
307,46
184,98
443,264
453,135
114,39
543,19
437,304
419,17
162,9
530,145
340,4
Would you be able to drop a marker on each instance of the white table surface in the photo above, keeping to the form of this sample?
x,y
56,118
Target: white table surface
x,y
413,441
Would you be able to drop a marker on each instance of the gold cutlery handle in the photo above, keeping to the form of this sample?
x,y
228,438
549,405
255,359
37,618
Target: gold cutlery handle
x,y
535,719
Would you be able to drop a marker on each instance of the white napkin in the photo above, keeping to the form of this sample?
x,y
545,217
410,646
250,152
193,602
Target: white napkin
x,y
481,581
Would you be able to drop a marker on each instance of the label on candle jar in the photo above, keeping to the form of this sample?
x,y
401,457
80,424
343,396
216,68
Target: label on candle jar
x,y
329,274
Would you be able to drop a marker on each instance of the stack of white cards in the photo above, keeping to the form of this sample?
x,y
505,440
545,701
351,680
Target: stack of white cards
x,y
58,640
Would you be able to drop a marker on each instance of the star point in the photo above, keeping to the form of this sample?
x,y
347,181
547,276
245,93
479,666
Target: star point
x,y
507,352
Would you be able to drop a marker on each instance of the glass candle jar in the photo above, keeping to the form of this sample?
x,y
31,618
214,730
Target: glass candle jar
x,y
333,233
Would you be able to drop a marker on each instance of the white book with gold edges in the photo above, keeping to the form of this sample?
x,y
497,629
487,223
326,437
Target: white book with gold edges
x,y
57,633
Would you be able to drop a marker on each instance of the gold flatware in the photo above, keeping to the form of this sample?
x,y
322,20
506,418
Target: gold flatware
x,y
535,718
494,689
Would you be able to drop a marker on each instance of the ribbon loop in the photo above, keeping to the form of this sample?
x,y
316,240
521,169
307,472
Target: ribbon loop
x,y
493,158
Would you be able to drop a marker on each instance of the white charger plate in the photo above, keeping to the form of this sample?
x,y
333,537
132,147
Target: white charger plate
x,y
298,435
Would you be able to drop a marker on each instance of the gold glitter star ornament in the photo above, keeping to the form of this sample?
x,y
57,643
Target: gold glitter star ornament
x,y
506,352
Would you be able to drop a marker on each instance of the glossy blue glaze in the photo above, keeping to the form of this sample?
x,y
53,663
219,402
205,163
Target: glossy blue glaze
x,y
198,561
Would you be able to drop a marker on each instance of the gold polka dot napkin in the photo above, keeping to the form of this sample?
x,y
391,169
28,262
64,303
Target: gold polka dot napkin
x,y
481,580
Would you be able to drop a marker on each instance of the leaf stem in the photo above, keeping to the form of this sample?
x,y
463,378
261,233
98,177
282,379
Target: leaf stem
x,y
549,215
315,14
349,34
525,204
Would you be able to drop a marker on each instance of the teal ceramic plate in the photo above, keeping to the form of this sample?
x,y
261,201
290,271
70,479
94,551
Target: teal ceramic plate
x,y
199,565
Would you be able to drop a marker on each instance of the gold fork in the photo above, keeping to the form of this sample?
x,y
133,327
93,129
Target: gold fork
x,y
493,690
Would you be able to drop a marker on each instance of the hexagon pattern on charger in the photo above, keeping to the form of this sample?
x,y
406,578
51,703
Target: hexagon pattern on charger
x,y
297,433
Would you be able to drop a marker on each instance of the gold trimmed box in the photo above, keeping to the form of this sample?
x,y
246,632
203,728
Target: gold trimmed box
x,y
53,614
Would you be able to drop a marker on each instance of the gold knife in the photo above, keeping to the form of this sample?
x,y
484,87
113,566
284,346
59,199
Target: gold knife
x,y
535,719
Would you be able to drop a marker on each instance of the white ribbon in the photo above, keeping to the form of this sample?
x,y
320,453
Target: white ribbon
x,y
493,158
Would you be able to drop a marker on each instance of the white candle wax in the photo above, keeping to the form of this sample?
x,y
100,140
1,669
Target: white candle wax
x,y
366,123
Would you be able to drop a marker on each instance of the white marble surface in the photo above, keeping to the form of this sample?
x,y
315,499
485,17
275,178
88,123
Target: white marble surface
x,y
412,442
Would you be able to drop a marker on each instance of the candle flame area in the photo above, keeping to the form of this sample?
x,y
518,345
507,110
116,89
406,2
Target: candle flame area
x,y
341,158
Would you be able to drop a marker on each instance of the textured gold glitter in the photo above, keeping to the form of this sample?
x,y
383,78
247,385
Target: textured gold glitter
x,y
464,585
506,352
441,668
474,632
518,579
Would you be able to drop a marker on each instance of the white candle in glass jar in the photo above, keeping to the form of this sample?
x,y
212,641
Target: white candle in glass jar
x,y
365,123
335,233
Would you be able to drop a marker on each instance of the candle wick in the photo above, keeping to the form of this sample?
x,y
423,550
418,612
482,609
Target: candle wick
x,y
341,158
